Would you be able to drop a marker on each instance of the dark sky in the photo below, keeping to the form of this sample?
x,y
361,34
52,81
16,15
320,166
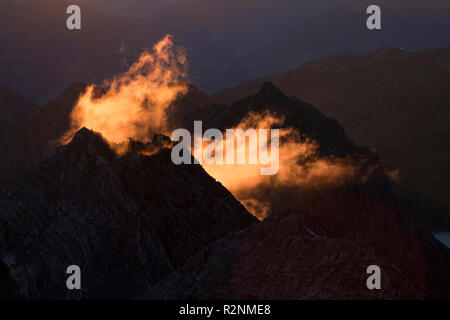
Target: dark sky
x,y
152,8
145,8
228,41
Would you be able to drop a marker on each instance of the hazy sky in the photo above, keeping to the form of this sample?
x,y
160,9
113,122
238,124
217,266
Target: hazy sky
x,y
227,41
145,8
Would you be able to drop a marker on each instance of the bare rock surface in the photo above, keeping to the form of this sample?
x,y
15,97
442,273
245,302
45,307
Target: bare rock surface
x,y
323,254
127,221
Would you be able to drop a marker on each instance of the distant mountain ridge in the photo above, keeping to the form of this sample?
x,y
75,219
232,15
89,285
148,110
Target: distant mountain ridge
x,y
390,99
141,227
14,108
296,114
226,43
38,137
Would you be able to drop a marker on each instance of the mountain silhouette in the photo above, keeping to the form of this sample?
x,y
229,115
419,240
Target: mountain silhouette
x,y
296,114
13,109
333,144
298,256
37,134
141,227
38,137
126,221
390,99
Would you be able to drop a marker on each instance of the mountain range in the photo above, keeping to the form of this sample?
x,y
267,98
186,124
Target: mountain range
x,y
141,227
392,100
126,221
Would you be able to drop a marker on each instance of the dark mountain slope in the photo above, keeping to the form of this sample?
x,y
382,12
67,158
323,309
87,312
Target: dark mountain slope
x,y
130,221
39,135
14,108
182,109
321,255
295,114
318,243
126,221
390,99
333,144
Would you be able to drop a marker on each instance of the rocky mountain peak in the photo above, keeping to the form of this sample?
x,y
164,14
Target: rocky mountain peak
x,y
129,221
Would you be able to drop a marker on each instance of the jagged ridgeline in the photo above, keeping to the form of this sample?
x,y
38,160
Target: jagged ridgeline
x,y
126,221
141,227
391,99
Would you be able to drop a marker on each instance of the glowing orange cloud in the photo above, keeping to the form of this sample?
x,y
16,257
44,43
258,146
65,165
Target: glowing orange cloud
x,y
136,105
299,165
136,102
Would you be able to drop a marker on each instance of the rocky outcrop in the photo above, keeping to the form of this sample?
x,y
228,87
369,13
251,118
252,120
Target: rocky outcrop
x,y
323,254
296,114
38,136
389,99
127,221
141,227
